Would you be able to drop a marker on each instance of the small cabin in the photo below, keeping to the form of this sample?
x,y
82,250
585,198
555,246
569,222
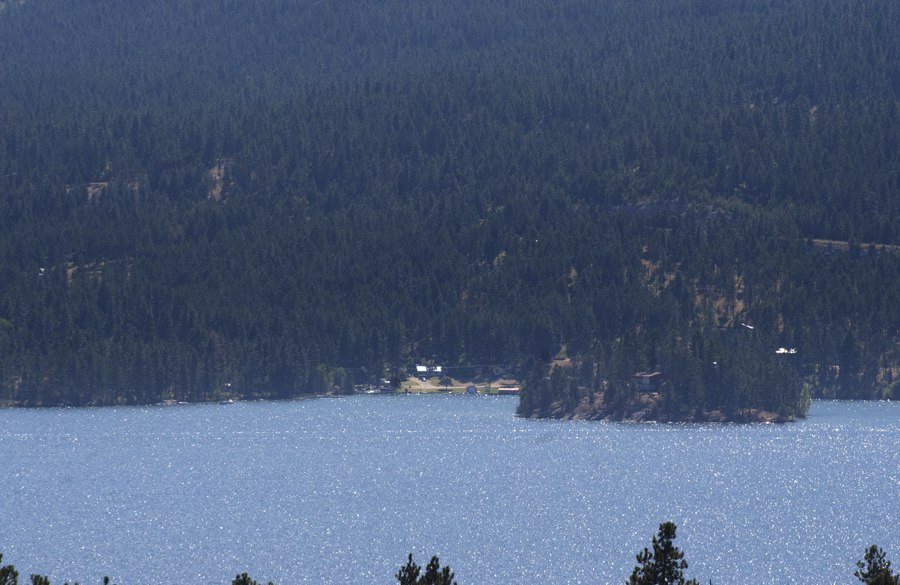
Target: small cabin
x,y
648,381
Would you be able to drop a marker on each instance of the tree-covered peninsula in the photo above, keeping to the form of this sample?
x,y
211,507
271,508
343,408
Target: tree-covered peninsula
x,y
208,198
725,375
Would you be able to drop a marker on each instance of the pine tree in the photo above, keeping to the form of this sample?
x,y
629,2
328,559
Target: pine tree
x,y
408,574
664,565
244,579
876,570
434,574
8,574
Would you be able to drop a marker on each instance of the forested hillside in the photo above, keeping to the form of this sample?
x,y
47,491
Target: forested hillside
x,y
282,197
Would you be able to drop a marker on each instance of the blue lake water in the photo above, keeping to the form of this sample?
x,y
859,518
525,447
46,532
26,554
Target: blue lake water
x,y
341,490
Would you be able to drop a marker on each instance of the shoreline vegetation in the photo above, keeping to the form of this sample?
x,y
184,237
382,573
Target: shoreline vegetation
x,y
663,565
645,407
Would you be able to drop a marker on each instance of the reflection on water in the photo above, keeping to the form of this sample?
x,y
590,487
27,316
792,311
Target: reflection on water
x,y
340,491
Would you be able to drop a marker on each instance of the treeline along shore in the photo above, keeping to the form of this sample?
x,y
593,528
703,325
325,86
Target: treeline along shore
x,y
204,199
662,564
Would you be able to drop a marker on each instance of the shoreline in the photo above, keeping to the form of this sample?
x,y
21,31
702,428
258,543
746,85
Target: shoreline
x,y
11,404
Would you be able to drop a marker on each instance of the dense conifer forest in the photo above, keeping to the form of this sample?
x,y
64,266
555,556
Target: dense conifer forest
x,y
273,198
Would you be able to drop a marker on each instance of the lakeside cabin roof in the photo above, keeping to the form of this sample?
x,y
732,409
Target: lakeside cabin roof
x,y
428,369
649,378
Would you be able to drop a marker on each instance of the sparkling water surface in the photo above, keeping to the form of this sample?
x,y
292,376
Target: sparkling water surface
x,y
341,490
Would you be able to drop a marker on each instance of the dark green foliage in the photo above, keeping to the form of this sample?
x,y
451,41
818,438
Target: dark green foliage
x,y
544,386
244,579
664,565
8,574
409,574
875,569
534,393
433,575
